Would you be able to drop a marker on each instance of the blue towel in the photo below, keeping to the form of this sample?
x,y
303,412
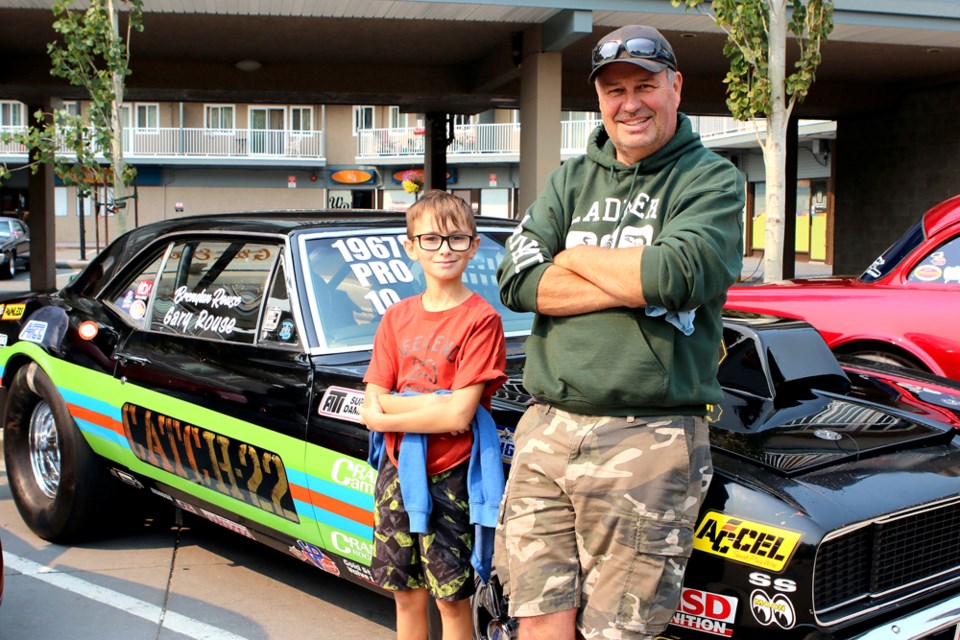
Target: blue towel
x,y
485,483
682,320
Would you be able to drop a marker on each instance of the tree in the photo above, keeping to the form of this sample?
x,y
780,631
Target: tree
x,y
758,85
90,54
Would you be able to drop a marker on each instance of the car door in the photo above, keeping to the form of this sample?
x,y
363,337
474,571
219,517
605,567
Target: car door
x,y
216,381
21,237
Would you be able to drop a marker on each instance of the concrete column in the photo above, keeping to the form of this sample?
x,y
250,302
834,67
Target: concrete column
x,y
42,221
435,151
539,117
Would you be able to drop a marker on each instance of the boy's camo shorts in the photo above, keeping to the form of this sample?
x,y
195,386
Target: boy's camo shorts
x,y
598,515
439,560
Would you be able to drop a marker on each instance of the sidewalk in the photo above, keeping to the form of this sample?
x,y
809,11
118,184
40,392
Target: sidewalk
x,y
753,269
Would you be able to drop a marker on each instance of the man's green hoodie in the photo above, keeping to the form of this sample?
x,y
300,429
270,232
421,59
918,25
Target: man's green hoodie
x,y
684,204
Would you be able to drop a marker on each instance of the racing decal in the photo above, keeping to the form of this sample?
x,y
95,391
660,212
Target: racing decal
x,y
927,273
751,543
951,274
378,263
353,547
3,339
342,403
312,554
211,306
359,571
209,459
138,309
34,331
776,610
226,523
786,585
13,311
186,506
143,289
706,612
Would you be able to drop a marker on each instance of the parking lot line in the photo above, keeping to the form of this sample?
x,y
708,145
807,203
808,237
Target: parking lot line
x,y
167,619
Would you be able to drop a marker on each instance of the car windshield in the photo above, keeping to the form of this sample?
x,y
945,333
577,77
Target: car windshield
x,y
352,278
894,255
4,229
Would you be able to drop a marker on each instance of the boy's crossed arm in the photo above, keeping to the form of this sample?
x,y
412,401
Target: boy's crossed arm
x,y
423,413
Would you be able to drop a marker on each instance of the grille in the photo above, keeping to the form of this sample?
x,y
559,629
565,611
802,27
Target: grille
x,y
883,557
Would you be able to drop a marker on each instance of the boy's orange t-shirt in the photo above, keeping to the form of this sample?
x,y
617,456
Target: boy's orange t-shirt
x,y
421,351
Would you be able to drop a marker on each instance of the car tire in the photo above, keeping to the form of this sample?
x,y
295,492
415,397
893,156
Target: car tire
x,y
9,268
59,485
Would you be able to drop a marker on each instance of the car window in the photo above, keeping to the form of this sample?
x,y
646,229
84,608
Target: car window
x,y
131,301
353,279
4,228
279,327
18,228
942,265
208,289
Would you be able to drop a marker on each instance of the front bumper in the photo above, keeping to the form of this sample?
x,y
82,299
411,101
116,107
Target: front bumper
x,y
920,624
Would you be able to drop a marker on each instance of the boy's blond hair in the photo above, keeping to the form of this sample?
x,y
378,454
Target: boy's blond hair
x,y
449,211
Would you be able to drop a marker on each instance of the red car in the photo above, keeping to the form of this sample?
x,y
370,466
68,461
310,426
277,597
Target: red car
x,y
903,310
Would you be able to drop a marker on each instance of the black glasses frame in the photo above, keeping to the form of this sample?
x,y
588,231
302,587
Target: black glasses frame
x,y
643,48
447,239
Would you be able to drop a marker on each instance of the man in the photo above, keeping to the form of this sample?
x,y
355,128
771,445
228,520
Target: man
x,y
626,258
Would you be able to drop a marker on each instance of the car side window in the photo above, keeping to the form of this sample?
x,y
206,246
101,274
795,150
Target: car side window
x,y
131,301
213,289
941,266
279,327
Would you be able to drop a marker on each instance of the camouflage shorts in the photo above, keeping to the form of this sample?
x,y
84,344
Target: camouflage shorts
x,y
439,560
599,515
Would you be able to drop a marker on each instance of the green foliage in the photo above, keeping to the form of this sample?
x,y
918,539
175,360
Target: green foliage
x,y
90,54
746,24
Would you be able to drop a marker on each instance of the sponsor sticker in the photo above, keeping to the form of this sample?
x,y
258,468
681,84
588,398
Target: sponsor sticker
x,y
227,524
706,612
3,339
752,543
312,554
13,311
776,610
88,330
342,403
34,331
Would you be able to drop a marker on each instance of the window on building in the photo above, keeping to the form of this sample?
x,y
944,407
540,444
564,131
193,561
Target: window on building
x,y
219,116
148,116
301,119
396,119
362,118
11,114
72,107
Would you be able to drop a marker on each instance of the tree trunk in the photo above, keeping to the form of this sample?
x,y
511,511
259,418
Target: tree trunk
x,y
774,147
116,143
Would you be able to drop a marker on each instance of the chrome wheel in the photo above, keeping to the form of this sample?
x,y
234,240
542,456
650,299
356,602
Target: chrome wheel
x,y
45,449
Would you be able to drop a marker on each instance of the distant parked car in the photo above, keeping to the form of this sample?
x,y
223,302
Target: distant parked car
x,y
902,310
14,247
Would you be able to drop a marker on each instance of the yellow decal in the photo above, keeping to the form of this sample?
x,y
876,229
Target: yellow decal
x,y
759,545
210,459
13,311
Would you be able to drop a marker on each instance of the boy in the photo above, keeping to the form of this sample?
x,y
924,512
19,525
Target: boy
x,y
447,338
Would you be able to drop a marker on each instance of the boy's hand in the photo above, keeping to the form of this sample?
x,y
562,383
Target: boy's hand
x,y
370,412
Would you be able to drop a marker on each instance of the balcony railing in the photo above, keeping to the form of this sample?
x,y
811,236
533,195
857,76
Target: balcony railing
x,y
173,143
471,143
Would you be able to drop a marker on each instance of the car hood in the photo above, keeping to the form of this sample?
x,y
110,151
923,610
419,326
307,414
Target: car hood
x,y
790,287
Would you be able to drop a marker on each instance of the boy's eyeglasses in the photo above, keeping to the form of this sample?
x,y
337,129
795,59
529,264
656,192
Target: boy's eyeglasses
x,y
636,48
432,241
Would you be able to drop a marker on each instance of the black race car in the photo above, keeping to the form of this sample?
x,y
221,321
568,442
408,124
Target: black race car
x,y
215,362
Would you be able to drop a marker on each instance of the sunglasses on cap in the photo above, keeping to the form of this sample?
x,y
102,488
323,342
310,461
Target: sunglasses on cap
x,y
643,48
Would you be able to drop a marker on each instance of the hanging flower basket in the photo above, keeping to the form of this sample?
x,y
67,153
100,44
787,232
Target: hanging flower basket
x,y
412,181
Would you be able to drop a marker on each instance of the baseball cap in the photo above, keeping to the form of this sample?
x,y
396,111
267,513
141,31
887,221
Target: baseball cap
x,y
637,44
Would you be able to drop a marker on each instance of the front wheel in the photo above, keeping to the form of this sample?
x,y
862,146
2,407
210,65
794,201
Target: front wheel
x,y
490,618
60,487
9,267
